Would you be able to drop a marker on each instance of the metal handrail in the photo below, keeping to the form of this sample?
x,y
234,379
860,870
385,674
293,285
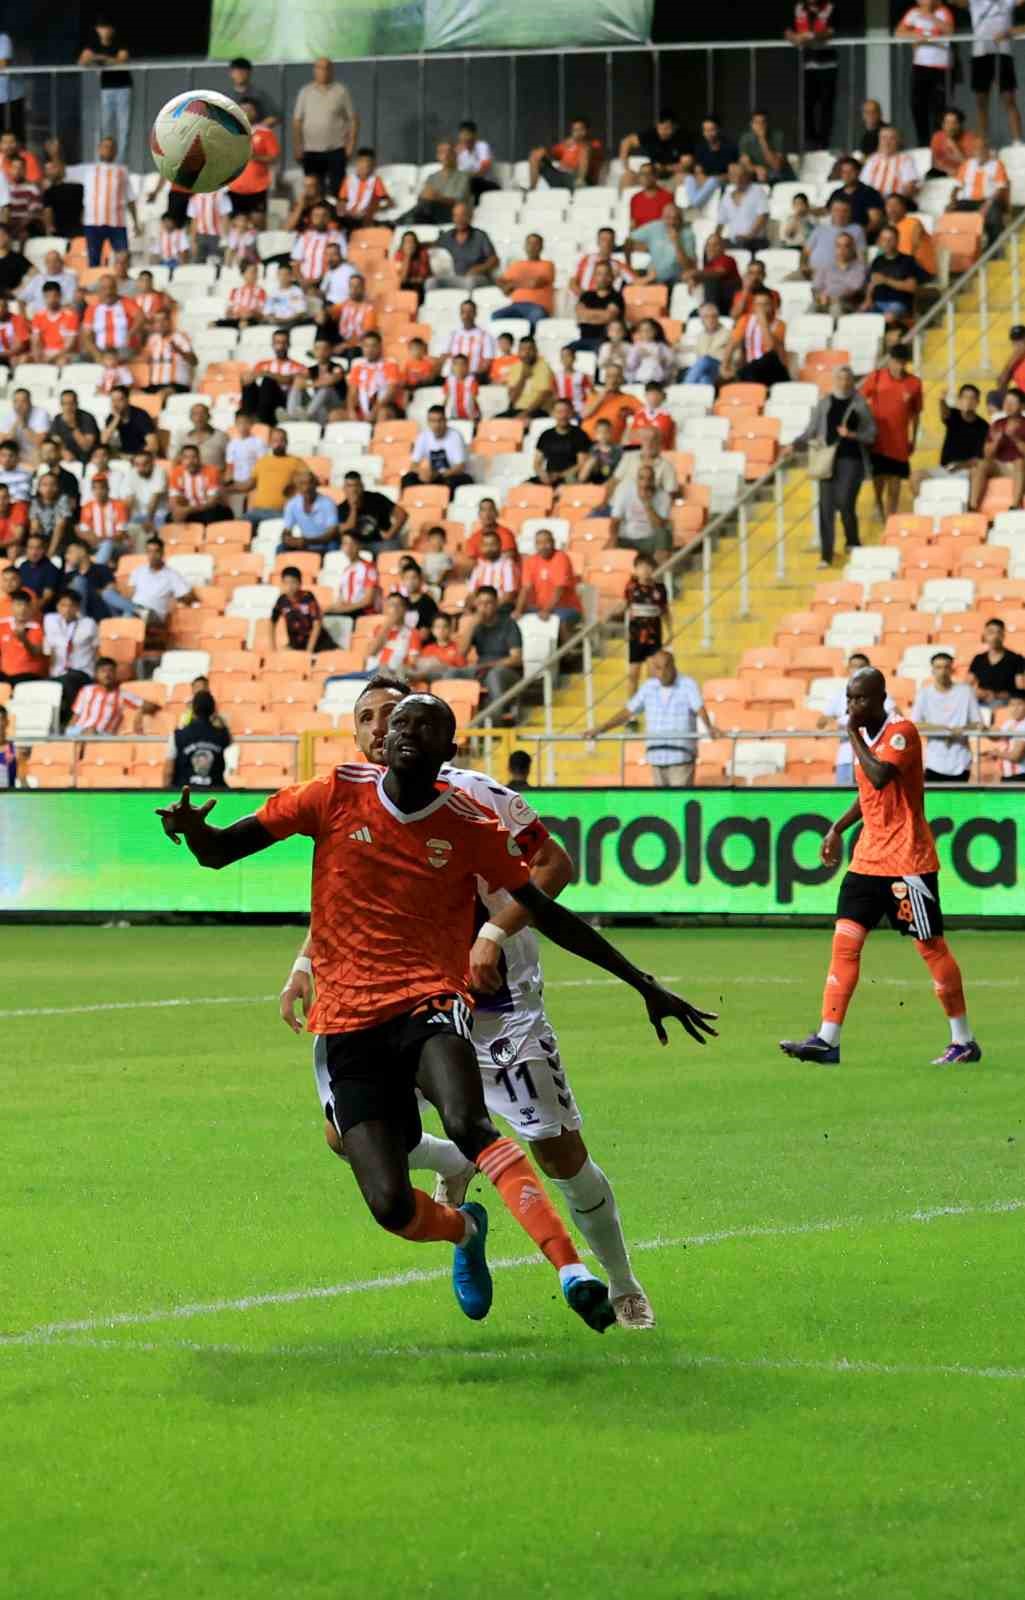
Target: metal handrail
x,y
1010,234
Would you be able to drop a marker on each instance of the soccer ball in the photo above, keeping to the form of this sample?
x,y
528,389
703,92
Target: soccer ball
x,y
201,141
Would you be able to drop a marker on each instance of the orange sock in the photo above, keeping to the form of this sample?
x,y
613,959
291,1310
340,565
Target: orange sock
x,y
844,970
520,1188
946,975
433,1222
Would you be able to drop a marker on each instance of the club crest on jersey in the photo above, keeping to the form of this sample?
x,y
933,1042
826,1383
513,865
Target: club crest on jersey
x,y
898,742
900,890
439,852
502,1052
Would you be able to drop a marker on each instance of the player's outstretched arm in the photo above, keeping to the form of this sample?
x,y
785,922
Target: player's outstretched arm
x,y
565,928
212,847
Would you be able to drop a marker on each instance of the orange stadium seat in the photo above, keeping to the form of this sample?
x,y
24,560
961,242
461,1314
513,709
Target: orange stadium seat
x,y
960,233
908,526
645,300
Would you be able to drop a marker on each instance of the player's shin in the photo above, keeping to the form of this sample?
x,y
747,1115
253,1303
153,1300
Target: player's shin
x,y
946,981
842,978
433,1223
505,1165
593,1208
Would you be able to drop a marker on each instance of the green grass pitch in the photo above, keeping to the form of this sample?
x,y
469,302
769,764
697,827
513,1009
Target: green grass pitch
x,y
830,1406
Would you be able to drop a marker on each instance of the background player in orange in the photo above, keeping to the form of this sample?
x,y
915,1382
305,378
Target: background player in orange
x,y
893,874
394,882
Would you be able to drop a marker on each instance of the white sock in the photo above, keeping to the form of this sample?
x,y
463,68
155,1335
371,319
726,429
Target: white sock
x,y
960,1032
438,1155
593,1208
830,1031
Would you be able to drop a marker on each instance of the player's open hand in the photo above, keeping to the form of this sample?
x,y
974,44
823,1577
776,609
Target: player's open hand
x,y
298,989
830,849
663,1003
180,820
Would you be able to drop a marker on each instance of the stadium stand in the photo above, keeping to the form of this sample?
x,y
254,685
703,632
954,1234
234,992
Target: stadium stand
x,y
233,407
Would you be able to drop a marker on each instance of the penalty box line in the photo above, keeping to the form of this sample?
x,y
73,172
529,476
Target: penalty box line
x,y
53,1332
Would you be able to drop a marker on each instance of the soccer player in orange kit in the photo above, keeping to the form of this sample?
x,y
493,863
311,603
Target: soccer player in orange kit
x,y
893,874
397,854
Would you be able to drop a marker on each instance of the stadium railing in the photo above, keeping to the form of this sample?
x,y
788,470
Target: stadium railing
x,y
782,480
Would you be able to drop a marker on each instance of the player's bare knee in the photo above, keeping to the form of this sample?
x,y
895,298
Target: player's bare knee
x,y
391,1205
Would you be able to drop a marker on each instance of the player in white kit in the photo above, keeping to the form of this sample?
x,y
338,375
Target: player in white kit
x,y
517,1051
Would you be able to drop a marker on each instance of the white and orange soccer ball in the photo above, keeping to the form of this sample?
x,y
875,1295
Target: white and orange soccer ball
x,y
200,141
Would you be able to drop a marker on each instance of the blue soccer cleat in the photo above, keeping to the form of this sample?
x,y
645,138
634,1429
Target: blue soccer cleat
x,y
589,1298
812,1049
471,1277
959,1055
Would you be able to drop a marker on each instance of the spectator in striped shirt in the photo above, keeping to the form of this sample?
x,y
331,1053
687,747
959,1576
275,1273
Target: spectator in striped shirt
x,y
497,570
208,216
25,202
359,593
983,185
583,278
174,248
347,323
112,323
246,301
286,305
309,252
171,359
99,708
476,344
374,382
396,646
108,202
891,170
150,300
102,523
196,492
460,389
362,194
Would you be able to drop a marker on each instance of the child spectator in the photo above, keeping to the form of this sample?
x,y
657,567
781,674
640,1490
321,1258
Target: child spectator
x,y
576,387
175,246
460,389
799,224
505,358
616,348
362,194
436,561
420,368
242,244
117,374
604,455
246,301
1012,750
295,620
395,646
442,656
650,357
208,216
653,415
647,604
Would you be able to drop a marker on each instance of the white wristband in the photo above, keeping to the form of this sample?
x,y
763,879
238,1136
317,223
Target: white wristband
x,y
302,964
492,931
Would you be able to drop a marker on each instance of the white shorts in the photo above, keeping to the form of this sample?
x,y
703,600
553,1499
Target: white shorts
x,y
526,1084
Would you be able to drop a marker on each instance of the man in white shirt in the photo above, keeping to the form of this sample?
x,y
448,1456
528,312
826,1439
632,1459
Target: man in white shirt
x,y
242,453
156,586
54,271
72,643
286,305
144,490
744,210
334,285
992,59
439,454
672,707
945,704
473,155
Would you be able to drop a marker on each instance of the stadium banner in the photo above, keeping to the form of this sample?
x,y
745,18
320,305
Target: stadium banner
x,y
709,852
299,30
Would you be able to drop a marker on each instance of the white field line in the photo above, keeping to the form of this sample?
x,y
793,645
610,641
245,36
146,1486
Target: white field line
x,y
558,983
48,1332
841,1366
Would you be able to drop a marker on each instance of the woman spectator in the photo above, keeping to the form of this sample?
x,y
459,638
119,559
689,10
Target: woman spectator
x,y
616,348
841,421
413,260
650,357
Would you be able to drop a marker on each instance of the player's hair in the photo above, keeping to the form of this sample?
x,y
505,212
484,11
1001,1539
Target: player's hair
x,y
154,538
449,714
1012,390
642,555
471,127
291,572
9,444
667,114
384,680
105,661
203,703
200,677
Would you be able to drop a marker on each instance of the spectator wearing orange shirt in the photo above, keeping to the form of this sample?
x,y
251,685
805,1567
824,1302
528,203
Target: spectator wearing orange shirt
x,y
548,585
609,402
419,369
442,656
15,335
950,146
1003,454
757,352
102,523
529,283
983,185
112,322
894,396
648,204
374,381
504,360
348,322
54,329
571,164
413,263
22,653
195,491
487,515
13,520
652,416
248,193
10,151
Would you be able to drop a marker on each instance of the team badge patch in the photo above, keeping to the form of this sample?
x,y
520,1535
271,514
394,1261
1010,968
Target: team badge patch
x,y
900,889
439,852
502,1052
898,742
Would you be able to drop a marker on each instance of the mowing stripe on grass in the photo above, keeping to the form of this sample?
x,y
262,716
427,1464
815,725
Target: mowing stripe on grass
x,y
558,983
53,1331
840,1366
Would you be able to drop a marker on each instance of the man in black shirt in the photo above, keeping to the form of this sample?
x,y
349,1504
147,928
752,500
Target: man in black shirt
x,y
664,145
326,390
76,429
195,753
38,573
865,202
50,460
893,280
421,608
128,426
62,202
713,152
372,517
560,452
964,437
88,579
996,672
596,308
13,265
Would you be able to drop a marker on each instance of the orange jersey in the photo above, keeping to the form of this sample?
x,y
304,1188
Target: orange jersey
x,y
895,839
392,915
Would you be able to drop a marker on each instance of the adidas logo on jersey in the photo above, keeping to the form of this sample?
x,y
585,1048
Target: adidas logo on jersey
x,y
364,836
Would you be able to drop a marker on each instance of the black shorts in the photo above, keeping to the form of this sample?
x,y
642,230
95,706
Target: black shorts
x,y
640,650
910,905
986,68
372,1071
889,467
